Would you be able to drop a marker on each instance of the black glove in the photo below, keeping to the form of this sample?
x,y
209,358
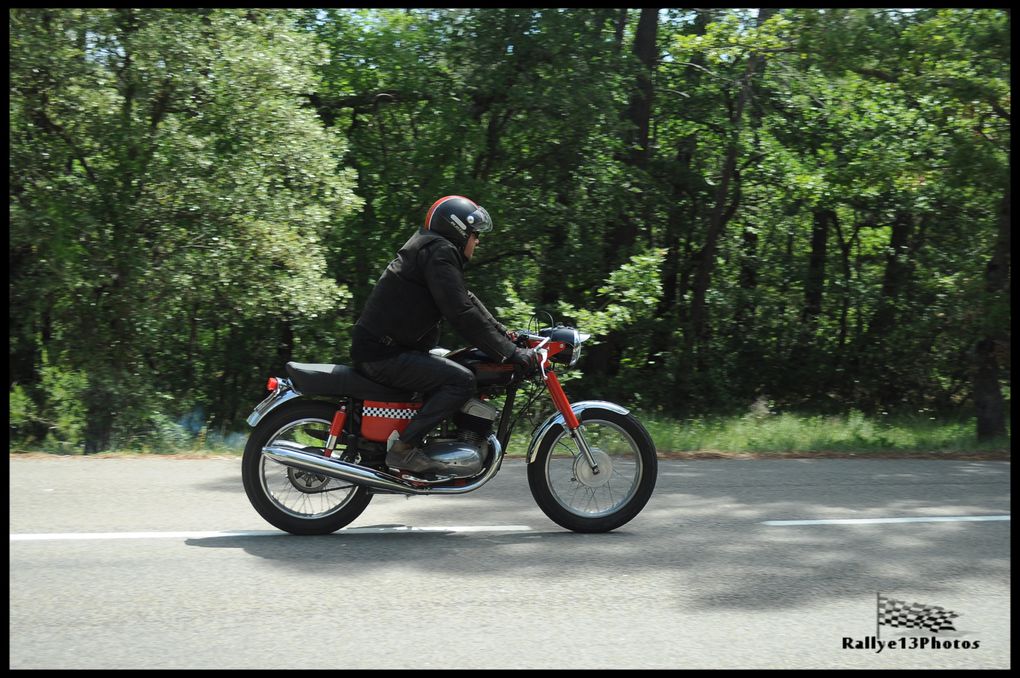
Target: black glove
x,y
528,359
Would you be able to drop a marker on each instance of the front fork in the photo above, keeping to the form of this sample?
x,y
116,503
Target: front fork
x,y
570,419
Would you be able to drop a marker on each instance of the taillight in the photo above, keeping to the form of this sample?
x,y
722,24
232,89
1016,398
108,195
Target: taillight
x,y
272,384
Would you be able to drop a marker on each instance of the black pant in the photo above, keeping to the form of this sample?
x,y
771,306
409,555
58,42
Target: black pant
x,y
446,385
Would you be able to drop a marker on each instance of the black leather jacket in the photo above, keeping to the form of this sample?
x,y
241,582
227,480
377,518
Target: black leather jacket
x,y
421,286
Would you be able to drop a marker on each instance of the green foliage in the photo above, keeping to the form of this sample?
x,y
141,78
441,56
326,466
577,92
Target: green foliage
x,y
171,197
630,294
59,422
21,409
199,195
64,411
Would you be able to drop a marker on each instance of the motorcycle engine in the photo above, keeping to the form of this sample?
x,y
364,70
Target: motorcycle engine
x,y
465,456
474,421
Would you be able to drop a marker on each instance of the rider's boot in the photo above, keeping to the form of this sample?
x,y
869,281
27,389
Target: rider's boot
x,y
408,457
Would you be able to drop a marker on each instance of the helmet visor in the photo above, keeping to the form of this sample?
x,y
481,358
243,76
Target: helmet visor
x,y
479,221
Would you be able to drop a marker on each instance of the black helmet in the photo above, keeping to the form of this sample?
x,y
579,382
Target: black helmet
x,y
455,217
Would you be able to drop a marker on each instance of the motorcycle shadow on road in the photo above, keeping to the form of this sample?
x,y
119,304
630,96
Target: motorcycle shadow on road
x,y
705,536
399,544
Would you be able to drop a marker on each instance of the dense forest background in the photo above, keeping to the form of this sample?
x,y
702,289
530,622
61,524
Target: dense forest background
x,y
803,207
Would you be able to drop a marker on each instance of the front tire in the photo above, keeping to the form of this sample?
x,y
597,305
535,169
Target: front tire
x,y
290,499
572,496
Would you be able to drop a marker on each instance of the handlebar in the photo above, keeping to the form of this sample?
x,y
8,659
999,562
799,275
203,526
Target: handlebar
x,y
523,338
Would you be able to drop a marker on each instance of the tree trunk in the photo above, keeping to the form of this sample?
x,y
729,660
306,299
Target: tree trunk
x,y
621,24
894,279
553,280
639,113
603,358
743,318
845,245
285,345
640,109
720,212
666,311
685,185
99,415
814,286
98,427
805,367
883,369
988,400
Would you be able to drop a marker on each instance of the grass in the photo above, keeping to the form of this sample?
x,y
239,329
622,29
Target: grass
x,y
754,434
792,433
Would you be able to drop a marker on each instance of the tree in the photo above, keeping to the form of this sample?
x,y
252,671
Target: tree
x,y
808,205
164,163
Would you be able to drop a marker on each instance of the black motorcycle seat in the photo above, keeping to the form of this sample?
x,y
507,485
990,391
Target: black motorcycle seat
x,y
341,380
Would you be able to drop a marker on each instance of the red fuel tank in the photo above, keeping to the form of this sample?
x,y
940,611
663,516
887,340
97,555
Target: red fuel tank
x,y
379,419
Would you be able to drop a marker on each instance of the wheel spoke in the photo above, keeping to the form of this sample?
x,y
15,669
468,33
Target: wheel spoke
x,y
301,493
584,493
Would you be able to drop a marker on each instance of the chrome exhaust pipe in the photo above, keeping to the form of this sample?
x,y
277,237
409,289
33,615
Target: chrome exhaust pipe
x,y
290,454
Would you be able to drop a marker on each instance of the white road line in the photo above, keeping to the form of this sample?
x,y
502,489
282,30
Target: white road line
x,y
873,521
396,529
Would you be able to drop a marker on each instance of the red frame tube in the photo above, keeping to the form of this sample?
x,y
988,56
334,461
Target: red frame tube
x,y
560,400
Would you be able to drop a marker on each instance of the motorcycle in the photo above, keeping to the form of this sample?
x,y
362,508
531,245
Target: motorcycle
x,y
316,456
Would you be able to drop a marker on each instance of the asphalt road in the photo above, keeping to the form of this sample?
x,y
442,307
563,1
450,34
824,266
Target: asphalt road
x,y
160,562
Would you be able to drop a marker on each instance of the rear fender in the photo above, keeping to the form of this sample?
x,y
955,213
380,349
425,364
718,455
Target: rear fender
x,y
284,393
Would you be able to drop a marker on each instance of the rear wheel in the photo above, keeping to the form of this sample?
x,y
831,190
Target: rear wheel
x,y
293,500
574,497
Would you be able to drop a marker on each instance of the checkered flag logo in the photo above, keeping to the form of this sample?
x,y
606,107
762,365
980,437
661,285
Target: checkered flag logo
x,y
914,615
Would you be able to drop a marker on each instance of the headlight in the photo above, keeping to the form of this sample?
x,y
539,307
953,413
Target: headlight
x,y
569,336
575,355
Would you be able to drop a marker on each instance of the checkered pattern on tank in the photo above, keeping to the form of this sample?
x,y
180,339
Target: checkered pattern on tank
x,y
389,412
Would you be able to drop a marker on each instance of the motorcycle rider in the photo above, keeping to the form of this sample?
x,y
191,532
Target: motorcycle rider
x,y
400,323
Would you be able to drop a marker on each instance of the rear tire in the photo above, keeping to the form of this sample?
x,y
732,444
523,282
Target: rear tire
x,y
290,499
565,488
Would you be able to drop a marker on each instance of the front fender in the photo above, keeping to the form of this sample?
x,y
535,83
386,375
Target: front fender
x,y
556,418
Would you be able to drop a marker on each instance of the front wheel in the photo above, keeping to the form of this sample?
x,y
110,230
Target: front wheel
x,y
574,497
293,500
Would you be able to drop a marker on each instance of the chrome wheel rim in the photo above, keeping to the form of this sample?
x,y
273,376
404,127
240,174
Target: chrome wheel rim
x,y
299,493
580,491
